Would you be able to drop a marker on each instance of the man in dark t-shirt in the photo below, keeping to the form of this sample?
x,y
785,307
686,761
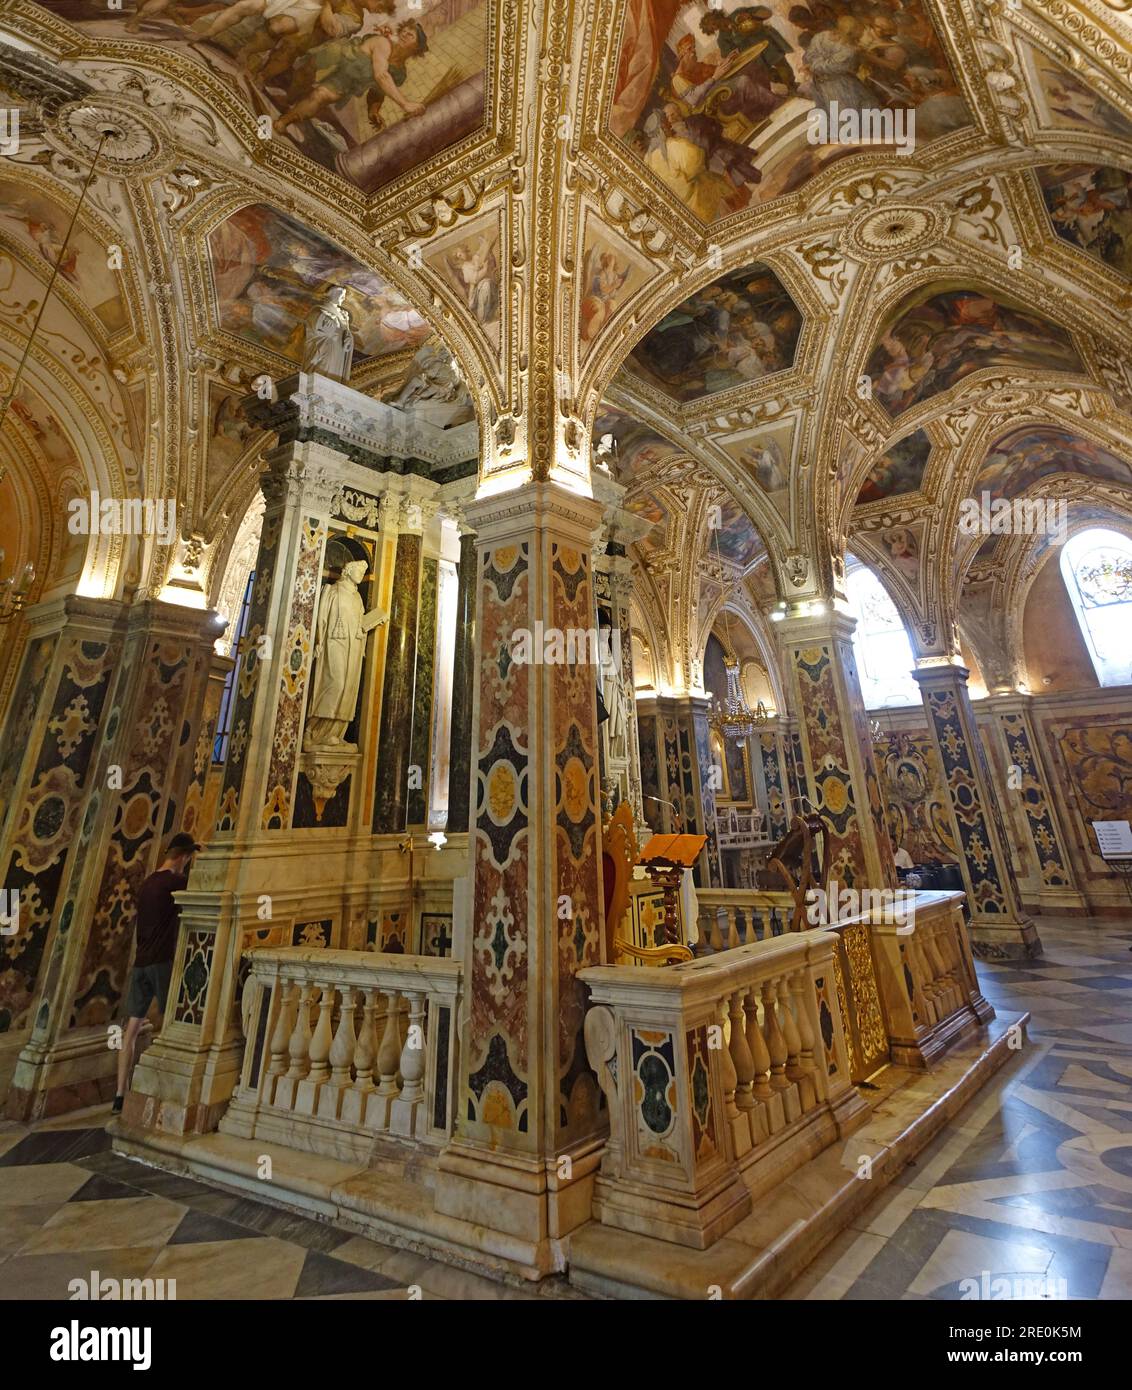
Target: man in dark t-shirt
x,y
157,918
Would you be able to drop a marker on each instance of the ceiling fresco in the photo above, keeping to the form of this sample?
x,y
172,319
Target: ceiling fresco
x,y
901,469
942,338
1070,104
1021,457
369,88
713,98
741,327
1091,208
269,272
40,224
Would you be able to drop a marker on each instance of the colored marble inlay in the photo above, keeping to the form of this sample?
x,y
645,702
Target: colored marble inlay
x,y
295,665
45,824
988,895
151,725
777,816
497,1031
578,913
421,747
391,784
705,1142
1043,832
195,973
656,1095
829,761
249,660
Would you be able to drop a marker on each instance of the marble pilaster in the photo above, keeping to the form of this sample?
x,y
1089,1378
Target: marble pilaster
x,y
398,699
676,769
463,673
1036,812
143,765
999,928
837,752
529,1125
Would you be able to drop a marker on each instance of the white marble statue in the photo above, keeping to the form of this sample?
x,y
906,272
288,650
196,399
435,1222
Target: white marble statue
x,y
612,693
339,650
329,344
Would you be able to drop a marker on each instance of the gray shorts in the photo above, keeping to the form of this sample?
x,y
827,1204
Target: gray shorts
x,y
148,982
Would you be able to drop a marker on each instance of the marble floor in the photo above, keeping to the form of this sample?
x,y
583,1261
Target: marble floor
x,y
1032,1182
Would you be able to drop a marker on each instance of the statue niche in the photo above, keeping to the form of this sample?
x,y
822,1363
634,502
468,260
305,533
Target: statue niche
x,y
339,652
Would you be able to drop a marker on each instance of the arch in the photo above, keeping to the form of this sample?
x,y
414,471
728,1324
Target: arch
x,y
885,658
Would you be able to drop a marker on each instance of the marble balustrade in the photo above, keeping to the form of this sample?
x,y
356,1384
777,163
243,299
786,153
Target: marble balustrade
x,y
722,1075
730,917
344,1049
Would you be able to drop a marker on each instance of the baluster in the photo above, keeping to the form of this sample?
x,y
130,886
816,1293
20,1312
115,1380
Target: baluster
x,y
733,937
727,1073
345,1041
299,1044
413,1052
789,1031
760,1057
320,1042
715,940
403,1114
775,1042
365,1054
284,1024
741,1057
389,1053
808,1085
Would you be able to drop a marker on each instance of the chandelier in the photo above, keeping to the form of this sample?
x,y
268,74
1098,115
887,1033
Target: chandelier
x,y
733,717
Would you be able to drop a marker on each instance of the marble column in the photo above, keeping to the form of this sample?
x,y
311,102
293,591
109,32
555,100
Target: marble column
x,y
770,743
999,928
140,764
837,751
420,750
676,768
463,673
529,1128
398,699
1028,797
621,765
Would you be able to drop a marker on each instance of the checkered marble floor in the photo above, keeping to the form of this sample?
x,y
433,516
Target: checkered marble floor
x,y
1034,1179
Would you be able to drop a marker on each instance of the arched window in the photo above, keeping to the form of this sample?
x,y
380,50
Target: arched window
x,y
1097,568
884,654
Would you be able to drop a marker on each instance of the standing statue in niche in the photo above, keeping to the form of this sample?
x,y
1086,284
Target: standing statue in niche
x,y
612,690
339,649
329,344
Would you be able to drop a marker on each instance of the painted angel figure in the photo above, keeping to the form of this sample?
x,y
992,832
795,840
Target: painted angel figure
x,y
476,272
603,279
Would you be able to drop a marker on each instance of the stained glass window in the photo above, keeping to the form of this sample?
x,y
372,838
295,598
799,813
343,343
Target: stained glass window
x,y
1097,568
880,642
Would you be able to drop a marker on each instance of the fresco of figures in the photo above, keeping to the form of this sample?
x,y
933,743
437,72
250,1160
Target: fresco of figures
x,y
369,88
901,469
1019,459
1091,208
742,327
943,338
41,225
268,273
714,97
1071,103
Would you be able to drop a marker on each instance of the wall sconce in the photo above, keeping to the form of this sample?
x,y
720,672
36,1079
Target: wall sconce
x,y
438,840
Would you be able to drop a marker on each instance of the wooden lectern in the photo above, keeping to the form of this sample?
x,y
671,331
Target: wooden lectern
x,y
665,858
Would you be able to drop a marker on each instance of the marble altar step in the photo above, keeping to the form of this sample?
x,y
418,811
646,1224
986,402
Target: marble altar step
x,y
790,1225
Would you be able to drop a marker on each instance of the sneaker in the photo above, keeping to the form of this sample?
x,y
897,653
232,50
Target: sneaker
x,y
116,1108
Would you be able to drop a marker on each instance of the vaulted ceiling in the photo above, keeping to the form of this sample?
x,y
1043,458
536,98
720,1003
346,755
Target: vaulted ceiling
x,y
793,341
